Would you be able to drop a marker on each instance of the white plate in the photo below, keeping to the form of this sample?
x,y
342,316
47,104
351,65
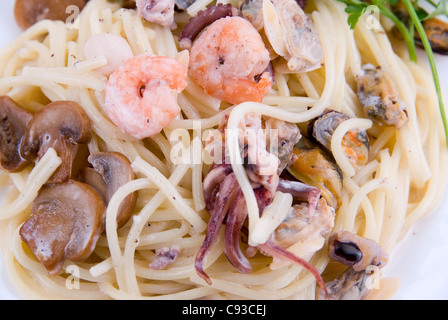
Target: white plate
x,y
420,261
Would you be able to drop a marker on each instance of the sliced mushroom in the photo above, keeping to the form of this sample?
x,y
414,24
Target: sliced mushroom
x,y
313,166
355,142
13,122
66,222
379,98
356,252
29,12
110,171
61,125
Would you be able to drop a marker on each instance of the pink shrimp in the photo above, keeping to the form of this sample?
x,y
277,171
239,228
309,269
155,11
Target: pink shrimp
x,y
141,95
229,60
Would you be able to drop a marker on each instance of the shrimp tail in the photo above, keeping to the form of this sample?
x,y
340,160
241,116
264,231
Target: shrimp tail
x,y
245,90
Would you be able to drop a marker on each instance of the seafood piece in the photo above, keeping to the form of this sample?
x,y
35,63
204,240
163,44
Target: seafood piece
x,y
301,192
352,285
379,98
292,35
252,10
204,18
229,60
302,3
165,257
226,204
271,249
356,252
436,30
355,143
260,164
299,226
157,11
115,48
220,193
183,4
303,233
286,135
313,166
66,222
141,95
13,122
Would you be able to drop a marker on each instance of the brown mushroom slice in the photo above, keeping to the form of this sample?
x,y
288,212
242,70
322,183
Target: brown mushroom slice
x,y
356,252
13,122
111,170
66,222
91,177
29,12
61,125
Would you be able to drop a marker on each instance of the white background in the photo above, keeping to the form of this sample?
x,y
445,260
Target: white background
x,y
421,261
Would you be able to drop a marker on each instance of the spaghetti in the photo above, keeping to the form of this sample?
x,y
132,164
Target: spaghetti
x,y
381,200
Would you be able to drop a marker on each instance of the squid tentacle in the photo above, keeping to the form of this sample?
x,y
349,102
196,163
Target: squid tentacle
x,y
270,248
227,192
235,221
230,206
212,182
301,191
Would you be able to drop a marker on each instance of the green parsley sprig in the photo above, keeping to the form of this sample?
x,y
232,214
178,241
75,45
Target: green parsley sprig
x,y
356,8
